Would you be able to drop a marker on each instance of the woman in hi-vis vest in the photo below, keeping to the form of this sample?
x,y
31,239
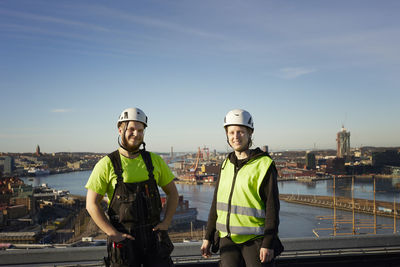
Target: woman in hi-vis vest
x,y
244,215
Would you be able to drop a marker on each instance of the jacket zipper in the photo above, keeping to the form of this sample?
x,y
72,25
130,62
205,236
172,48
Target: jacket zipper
x,y
230,201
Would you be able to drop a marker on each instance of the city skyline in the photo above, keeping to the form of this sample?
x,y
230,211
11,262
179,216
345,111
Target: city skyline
x,y
302,69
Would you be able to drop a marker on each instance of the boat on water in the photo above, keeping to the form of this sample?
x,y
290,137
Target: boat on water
x,y
183,215
38,172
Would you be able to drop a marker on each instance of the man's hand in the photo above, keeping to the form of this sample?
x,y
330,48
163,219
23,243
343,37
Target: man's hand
x,y
95,210
161,226
118,237
266,255
205,249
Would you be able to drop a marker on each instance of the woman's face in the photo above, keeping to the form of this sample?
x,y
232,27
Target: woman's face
x,y
238,137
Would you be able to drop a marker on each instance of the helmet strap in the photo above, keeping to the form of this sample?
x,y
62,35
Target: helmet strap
x,y
144,145
132,152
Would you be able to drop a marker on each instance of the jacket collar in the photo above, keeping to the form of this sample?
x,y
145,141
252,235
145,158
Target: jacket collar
x,y
254,153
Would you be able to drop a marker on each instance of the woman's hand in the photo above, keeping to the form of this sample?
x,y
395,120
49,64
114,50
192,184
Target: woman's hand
x,y
266,255
205,249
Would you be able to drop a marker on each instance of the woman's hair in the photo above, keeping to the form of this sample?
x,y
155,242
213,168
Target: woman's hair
x,y
250,132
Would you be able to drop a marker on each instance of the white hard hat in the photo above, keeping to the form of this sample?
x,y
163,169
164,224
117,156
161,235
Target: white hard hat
x,y
133,114
239,117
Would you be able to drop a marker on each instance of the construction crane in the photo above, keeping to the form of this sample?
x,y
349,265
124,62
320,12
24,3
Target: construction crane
x,y
196,163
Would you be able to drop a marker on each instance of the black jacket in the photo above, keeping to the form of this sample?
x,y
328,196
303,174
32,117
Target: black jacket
x,y
269,194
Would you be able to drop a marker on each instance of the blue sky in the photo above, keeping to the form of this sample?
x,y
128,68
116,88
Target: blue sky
x,y
301,68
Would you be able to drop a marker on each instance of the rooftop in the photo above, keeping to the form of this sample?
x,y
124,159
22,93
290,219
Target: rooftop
x,y
363,250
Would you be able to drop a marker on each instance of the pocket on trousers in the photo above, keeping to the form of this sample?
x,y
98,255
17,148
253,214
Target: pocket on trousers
x,y
164,244
117,252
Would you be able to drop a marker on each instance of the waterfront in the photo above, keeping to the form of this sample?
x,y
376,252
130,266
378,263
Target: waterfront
x,y
296,220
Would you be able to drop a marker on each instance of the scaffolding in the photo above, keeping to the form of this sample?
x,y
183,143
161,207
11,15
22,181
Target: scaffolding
x,y
356,224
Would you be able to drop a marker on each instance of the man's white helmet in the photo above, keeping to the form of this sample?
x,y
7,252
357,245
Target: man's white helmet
x,y
239,117
133,114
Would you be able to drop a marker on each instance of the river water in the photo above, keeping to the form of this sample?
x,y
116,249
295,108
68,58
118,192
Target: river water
x,y
295,220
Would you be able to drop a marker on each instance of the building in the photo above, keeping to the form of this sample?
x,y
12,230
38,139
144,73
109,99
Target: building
x,y
335,166
210,168
9,165
392,170
74,165
38,151
343,144
310,161
25,200
390,157
20,237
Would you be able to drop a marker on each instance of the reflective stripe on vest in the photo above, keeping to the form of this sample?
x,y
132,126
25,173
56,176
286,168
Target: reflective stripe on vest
x,y
243,230
242,210
244,217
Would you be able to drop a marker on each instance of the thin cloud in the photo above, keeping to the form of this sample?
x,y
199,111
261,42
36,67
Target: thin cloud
x,y
50,19
60,110
107,32
379,43
292,73
143,20
155,23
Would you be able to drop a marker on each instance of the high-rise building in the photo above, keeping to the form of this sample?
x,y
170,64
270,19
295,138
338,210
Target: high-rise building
x,y
9,165
310,160
343,143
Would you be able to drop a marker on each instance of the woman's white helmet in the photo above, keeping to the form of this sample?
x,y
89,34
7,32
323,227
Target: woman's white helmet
x,y
133,114
239,117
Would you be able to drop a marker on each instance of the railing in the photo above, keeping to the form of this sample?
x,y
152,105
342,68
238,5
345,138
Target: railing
x,y
370,249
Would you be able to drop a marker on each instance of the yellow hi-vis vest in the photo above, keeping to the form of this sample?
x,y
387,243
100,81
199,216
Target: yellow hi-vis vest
x,y
240,209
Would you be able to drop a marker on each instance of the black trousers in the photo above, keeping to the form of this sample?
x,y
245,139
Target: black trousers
x,y
129,254
240,255
148,261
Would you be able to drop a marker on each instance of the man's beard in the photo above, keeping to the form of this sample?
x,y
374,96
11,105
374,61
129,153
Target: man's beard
x,y
131,148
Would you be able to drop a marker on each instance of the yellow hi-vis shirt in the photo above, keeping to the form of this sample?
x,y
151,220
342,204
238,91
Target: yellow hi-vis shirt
x,y
244,216
103,178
